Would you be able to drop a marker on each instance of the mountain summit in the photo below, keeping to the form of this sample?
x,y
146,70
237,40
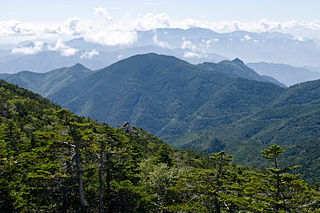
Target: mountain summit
x,y
237,61
163,94
237,69
47,83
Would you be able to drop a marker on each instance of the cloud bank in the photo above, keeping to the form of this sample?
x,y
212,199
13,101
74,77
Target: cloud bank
x,y
159,43
76,26
107,32
63,49
29,50
89,54
39,46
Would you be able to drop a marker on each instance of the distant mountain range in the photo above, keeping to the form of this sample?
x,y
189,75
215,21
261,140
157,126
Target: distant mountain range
x,y
195,45
237,69
210,107
249,46
286,74
47,83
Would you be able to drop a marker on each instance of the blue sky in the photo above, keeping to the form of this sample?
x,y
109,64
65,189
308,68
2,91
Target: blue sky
x,y
49,11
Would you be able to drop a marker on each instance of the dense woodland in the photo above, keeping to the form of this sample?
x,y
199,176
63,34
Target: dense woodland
x,y
211,107
54,161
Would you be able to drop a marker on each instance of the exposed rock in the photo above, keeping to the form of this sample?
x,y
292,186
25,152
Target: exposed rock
x,y
127,128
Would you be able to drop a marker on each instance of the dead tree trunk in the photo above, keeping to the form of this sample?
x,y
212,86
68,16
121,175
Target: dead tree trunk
x,y
80,174
101,182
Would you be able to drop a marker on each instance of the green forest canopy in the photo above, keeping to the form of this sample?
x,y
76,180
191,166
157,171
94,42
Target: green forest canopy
x,y
54,161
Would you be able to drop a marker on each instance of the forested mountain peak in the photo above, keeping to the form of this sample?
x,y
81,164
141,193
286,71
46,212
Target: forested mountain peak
x,y
237,69
143,60
238,61
79,66
163,94
46,83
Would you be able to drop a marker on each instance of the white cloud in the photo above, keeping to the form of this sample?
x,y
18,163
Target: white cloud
x,y
70,27
151,21
191,55
299,38
68,52
299,28
162,44
111,37
103,12
246,37
89,54
13,27
30,50
208,42
109,32
63,49
193,51
187,45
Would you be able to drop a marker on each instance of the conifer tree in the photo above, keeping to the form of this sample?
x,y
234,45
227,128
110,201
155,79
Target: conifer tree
x,y
77,132
286,192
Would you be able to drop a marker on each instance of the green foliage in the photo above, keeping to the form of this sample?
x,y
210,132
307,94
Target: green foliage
x,y
273,153
209,107
163,94
285,187
237,69
50,82
54,161
164,155
294,127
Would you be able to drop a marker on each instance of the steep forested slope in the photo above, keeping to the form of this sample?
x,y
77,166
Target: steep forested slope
x,y
164,95
299,94
290,119
237,69
54,161
47,83
211,107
